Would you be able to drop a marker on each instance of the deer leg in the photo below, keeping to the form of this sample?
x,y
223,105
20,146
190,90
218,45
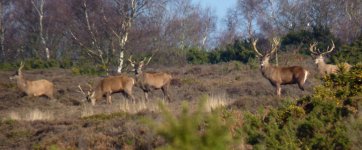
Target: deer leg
x,y
165,93
301,86
279,89
129,95
146,95
109,99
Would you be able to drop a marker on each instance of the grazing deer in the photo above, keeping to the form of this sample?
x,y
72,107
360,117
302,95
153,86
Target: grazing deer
x,y
109,85
325,69
33,88
148,81
278,76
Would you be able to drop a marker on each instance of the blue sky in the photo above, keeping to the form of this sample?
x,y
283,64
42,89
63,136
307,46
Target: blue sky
x,y
220,6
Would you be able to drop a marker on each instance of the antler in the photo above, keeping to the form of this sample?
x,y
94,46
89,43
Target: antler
x,y
275,45
254,47
21,67
130,60
90,86
330,50
148,61
313,48
81,90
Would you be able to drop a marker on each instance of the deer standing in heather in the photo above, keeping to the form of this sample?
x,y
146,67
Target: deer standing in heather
x,y
148,81
36,88
325,69
109,85
278,76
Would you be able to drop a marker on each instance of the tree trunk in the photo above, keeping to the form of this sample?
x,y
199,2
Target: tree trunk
x,y
40,11
2,33
122,45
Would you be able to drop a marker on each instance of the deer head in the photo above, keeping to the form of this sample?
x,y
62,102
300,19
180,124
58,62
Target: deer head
x,y
316,52
18,73
264,59
89,96
138,66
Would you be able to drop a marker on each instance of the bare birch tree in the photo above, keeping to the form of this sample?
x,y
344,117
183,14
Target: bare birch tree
x,y
127,11
39,7
94,49
2,30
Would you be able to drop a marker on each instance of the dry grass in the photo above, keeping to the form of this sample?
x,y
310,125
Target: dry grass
x,y
124,106
31,115
216,101
142,105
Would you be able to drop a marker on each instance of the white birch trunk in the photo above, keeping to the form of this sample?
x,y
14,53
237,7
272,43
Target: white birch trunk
x,y
121,53
2,32
40,11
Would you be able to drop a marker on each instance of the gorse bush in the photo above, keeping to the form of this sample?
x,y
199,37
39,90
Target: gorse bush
x,y
319,121
196,130
240,50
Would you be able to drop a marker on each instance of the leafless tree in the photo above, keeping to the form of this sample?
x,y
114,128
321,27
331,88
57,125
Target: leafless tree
x,y
2,30
92,43
126,11
39,7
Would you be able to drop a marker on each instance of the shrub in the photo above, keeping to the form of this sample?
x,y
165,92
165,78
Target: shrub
x,y
319,121
195,130
197,56
350,53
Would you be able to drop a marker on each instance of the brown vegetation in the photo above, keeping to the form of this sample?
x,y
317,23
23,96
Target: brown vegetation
x,y
68,123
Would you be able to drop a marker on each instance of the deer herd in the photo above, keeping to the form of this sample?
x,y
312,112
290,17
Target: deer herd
x,y
147,81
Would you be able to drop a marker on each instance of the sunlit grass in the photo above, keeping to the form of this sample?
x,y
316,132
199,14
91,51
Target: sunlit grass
x,y
31,115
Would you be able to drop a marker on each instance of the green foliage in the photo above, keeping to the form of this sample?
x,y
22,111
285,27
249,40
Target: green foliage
x,y
197,56
37,64
319,121
351,53
303,38
240,50
195,130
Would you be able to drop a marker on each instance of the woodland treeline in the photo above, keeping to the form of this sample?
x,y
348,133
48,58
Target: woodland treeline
x,y
106,32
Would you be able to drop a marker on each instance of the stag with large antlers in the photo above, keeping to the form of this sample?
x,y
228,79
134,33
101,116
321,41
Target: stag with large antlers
x,y
325,69
108,86
148,81
36,88
278,76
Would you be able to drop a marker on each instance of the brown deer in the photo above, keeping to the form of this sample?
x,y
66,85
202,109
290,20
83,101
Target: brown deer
x,y
148,81
109,85
325,69
278,76
36,88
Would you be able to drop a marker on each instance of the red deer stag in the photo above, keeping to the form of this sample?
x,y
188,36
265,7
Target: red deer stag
x,y
40,87
148,81
278,76
325,69
109,85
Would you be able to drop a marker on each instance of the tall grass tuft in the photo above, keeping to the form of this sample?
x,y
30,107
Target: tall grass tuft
x,y
32,115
